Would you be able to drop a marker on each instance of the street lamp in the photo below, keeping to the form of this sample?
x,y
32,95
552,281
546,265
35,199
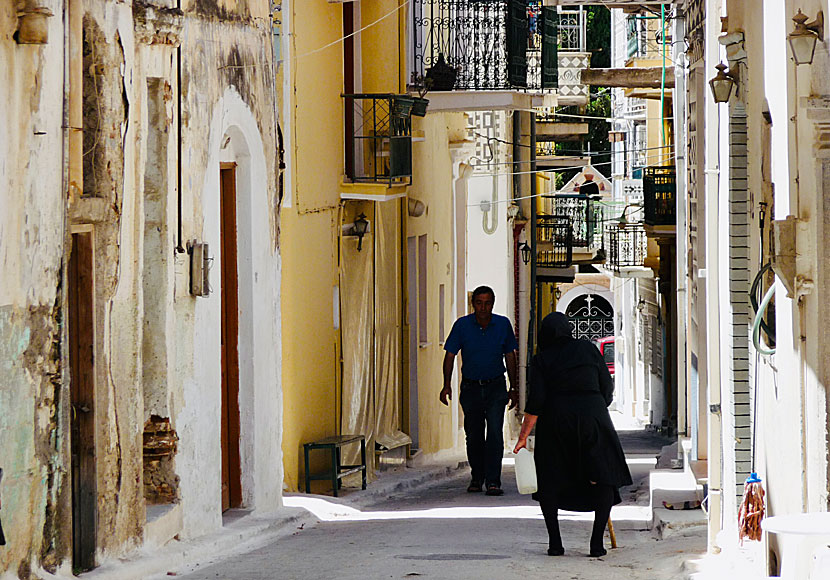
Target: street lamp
x,y
525,250
722,83
804,36
360,226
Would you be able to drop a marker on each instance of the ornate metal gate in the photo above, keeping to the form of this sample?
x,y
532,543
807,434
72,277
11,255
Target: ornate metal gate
x,y
591,317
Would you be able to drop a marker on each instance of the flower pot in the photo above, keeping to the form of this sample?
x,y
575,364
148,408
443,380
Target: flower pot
x,y
402,106
441,75
419,108
33,26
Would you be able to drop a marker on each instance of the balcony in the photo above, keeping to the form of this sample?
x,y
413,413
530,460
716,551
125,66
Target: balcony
x,y
554,241
508,48
586,215
569,231
378,139
627,249
659,200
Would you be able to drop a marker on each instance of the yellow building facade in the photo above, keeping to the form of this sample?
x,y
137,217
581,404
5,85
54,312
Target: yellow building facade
x,y
351,361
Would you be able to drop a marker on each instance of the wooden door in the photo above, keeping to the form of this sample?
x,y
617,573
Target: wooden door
x,y
231,470
81,292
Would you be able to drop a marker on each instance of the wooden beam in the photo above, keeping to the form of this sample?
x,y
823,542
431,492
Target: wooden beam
x,y
628,77
560,161
560,131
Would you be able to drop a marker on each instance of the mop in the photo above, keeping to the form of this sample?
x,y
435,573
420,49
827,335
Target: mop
x,y
751,510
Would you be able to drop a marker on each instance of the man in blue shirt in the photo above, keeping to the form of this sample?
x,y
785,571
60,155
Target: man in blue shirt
x,y
486,342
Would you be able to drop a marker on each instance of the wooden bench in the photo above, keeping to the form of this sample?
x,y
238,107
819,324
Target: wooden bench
x,y
336,471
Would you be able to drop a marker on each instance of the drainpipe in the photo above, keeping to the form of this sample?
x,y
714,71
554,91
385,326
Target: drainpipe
x,y
179,246
531,322
679,114
74,105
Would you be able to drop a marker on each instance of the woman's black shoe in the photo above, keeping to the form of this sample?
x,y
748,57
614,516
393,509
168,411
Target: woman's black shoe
x,y
556,551
597,552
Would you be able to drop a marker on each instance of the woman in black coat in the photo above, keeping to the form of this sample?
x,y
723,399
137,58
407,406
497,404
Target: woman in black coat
x,y
580,464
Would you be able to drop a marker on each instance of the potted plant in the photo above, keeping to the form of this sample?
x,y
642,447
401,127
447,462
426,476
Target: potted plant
x,y
442,75
402,106
422,85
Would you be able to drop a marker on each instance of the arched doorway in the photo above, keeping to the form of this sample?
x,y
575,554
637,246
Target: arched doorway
x,y
591,316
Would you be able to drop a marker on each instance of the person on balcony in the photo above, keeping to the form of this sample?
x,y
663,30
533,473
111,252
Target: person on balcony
x,y
486,341
580,464
589,187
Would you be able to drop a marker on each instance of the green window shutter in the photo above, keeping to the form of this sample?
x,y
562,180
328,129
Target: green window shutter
x,y
550,47
517,33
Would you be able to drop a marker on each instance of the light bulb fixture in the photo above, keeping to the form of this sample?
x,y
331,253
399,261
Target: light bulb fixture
x,y
803,38
525,251
722,83
361,224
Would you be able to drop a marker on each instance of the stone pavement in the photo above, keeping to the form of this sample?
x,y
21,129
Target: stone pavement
x,y
425,502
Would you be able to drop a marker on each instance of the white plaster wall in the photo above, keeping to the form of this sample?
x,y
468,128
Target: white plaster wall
x,y
573,293
489,256
260,396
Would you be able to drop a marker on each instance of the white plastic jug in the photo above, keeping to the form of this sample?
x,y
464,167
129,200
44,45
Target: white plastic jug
x,y
525,471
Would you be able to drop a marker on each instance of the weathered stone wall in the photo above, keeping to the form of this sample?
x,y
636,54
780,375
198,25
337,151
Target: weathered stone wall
x,y
149,333
33,412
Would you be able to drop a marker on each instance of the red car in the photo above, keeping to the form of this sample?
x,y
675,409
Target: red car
x,y
606,349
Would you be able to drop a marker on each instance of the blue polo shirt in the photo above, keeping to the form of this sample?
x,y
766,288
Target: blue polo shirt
x,y
482,349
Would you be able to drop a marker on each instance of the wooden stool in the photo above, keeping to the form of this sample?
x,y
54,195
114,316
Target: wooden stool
x,y
336,471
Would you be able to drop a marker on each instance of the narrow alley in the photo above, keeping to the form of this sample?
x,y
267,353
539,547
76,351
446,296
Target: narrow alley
x,y
437,530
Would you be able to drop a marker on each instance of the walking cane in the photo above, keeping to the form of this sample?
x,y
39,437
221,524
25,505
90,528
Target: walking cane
x,y
612,534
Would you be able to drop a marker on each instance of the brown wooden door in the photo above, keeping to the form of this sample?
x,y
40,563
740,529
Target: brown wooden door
x,y
231,471
81,290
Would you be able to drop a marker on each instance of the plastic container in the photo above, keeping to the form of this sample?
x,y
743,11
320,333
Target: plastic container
x,y
525,472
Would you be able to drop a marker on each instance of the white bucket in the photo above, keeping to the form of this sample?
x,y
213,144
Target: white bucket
x,y
525,471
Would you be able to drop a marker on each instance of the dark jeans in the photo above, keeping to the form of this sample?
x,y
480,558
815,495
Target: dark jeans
x,y
483,407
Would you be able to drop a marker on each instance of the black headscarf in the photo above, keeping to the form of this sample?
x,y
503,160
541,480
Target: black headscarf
x,y
555,327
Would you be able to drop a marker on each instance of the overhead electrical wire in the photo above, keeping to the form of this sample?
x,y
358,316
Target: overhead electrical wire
x,y
542,194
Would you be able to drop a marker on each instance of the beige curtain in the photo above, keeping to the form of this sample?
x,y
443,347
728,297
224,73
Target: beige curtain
x,y
388,326
356,328
371,326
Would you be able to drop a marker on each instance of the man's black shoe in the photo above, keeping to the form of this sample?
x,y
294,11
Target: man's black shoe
x,y
494,490
474,487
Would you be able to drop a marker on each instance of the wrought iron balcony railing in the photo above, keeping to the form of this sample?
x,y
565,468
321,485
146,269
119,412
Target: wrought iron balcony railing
x,y
626,246
486,44
587,216
379,138
554,241
659,195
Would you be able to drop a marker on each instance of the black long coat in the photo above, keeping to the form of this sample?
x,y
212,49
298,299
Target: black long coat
x,y
576,443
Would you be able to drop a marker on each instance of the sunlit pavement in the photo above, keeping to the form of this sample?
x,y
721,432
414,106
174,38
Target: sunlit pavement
x,y
438,531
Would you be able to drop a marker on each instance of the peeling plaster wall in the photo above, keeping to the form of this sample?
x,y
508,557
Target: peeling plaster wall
x,y
164,360
33,418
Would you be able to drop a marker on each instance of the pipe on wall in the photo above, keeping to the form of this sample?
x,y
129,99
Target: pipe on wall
x,y
75,105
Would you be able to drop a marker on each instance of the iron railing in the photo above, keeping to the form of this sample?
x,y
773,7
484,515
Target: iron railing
x,y
587,217
378,138
626,245
659,195
486,45
554,241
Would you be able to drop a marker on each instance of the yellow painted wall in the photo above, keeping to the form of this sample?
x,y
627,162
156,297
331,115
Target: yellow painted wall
x,y
382,53
309,234
433,185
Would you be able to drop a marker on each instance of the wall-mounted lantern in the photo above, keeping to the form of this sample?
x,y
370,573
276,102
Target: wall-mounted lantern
x,y
525,251
33,24
803,38
722,83
361,224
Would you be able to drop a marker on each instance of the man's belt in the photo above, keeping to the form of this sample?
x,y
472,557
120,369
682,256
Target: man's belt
x,y
481,382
